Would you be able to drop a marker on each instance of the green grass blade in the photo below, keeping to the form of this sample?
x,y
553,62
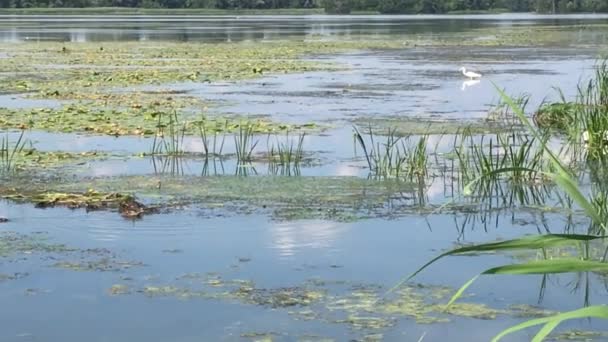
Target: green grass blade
x,y
550,266
461,290
597,311
545,330
528,242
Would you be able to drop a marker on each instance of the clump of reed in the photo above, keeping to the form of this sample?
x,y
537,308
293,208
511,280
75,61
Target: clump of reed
x,y
591,116
212,146
514,156
285,157
394,156
9,151
586,118
245,144
169,137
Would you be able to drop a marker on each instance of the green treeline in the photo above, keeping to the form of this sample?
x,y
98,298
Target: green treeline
x,y
339,6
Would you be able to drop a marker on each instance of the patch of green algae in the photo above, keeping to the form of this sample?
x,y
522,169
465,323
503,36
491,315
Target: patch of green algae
x,y
13,243
578,335
89,199
361,307
90,118
32,159
334,198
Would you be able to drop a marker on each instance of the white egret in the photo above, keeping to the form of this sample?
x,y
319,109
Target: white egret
x,y
469,74
586,137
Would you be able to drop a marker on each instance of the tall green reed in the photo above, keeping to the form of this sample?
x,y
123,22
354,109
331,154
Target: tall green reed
x,y
170,134
9,151
395,156
245,144
284,157
212,146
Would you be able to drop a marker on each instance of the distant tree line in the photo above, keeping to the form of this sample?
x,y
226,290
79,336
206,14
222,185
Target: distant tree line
x,y
340,6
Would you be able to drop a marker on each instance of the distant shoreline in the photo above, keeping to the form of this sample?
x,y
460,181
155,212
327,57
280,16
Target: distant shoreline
x,y
206,11
165,11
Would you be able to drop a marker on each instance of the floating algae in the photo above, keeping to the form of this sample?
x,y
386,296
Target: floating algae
x,y
578,335
403,126
361,307
108,264
13,243
118,289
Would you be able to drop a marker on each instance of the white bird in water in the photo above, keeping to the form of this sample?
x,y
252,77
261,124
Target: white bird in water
x,y
586,137
469,74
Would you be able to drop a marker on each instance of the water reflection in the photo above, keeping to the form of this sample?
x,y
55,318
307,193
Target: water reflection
x,y
289,237
468,83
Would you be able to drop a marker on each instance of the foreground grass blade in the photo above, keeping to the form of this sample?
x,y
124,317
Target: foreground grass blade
x,y
551,266
597,311
528,242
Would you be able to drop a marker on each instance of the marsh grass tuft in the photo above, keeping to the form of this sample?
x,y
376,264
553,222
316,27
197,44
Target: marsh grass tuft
x,y
169,137
394,157
212,147
586,118
285,157
244,143
9,151
519,158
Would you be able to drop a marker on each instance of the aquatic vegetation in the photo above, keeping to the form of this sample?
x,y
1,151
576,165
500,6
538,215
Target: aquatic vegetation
x,y
591,114
14,243
584,119
483,160
118,289
106,264
284,158
16,246
169,137
89,199
501,114
28,160
119,122
544,266
409,126
395,157
288,152
557,116
577,335
335,197
211,148
244,144
360,307
8,151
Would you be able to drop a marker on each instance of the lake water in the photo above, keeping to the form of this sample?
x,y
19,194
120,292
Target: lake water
x,y
224,272
82,28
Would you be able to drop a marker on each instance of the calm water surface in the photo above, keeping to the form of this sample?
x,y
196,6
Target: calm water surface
x,y
82,28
